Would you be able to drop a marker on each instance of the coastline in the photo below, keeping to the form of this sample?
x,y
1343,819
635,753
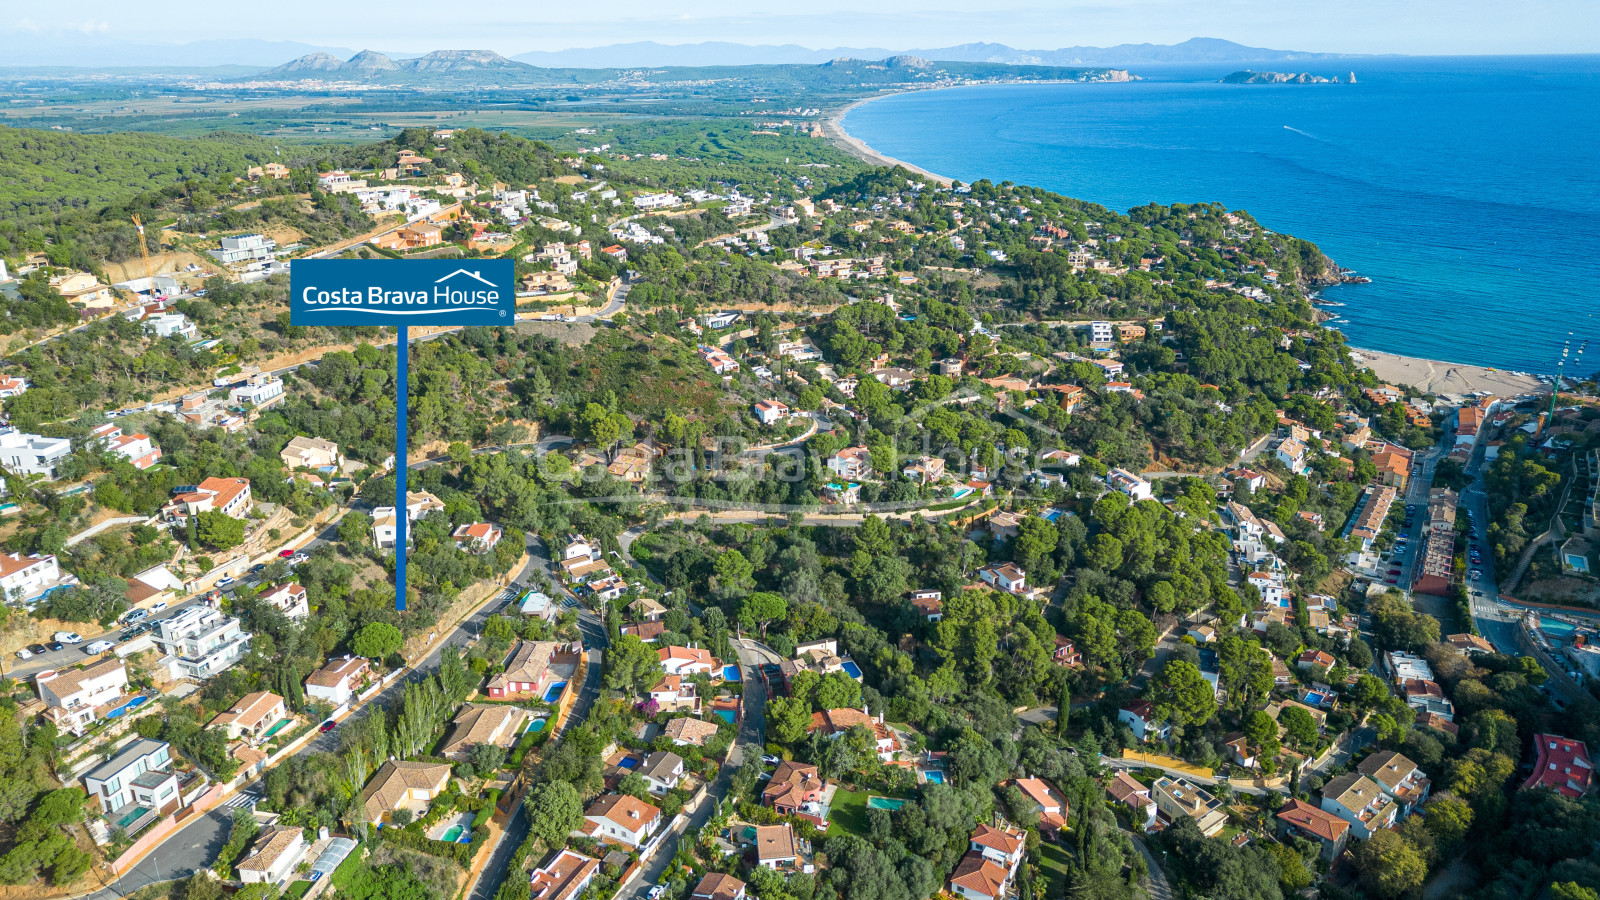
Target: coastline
x,y
833,127
1440,377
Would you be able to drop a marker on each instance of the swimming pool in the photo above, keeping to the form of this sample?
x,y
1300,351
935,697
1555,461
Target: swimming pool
x,y
131,816
453,834
131,705
726,714
1557,629
934,776
629,763
277,726
850,668
731,673
888,803
554,693
536,725
961,493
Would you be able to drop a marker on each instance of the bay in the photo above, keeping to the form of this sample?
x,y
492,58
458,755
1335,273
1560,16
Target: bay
x,y
1468,189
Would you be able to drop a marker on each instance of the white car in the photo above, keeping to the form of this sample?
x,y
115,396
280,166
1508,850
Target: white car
x,y
69,637
24,653
656,892
98,647
298,558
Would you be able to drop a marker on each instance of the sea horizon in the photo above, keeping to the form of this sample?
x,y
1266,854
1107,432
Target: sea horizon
x,y
1450,181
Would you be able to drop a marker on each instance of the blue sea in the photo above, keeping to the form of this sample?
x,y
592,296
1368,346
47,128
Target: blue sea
x,y
1468,189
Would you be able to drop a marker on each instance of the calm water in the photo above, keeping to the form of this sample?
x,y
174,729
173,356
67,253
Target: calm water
x,y
1467,189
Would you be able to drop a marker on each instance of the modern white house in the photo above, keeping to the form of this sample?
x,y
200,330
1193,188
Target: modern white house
x,y
260,391
140,774
244,248
200,642
384,522
32,454
164,325
1006,577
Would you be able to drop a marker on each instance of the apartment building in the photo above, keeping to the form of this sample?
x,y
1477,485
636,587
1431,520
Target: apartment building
x,y
200,642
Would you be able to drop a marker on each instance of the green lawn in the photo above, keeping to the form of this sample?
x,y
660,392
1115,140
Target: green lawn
x,y
297,890
848,814
1053,866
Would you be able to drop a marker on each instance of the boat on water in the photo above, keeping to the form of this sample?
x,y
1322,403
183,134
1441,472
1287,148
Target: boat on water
x,y
1326,302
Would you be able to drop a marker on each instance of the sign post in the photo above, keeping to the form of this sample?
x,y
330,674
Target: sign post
x,y
447,292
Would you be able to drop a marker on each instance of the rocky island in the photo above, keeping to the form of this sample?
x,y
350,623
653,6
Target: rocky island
x,y
1247,76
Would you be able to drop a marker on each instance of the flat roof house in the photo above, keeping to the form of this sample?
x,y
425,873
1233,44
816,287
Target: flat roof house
x,y
140,774
200,642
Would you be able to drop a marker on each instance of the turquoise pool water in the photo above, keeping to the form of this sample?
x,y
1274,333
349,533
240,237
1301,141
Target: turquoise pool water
x,y
1556,629
933,776
536,725
277,726
131,815
554,693
451,833
730,673
726,714
850,668
133,704
889,803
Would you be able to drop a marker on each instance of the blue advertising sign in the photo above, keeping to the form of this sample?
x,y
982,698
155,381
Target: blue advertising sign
x,y
402,292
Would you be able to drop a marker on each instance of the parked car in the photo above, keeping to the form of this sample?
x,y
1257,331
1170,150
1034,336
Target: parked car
x,y
158,607
69,637
37,649
99,647
285,554
58,646
138,615
298,559
24,653
225,583
328,726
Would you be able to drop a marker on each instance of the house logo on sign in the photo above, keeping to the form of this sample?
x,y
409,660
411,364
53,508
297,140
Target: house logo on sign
x,y
422,292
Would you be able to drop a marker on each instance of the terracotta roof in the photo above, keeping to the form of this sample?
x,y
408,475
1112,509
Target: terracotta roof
x,y
483,723
774,842
979,875
1124,789
1387,768
717,886
69,681
12,563
690,731
629,812
336,671
1562,764
559,878
1004,840
689,655
528,663
791,782
1311,820
272,843
251,710
395,778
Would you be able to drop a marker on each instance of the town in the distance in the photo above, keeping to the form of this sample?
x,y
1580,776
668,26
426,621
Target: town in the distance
x,y
821,529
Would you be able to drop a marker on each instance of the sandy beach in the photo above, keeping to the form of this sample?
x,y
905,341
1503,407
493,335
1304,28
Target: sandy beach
x,y
1436,377
833,127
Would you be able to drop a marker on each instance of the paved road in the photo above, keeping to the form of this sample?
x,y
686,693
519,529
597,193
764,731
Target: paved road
x,y
751,730
195,846
1155,883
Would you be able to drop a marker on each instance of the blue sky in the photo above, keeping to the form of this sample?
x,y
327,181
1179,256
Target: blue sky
x,y
1351,26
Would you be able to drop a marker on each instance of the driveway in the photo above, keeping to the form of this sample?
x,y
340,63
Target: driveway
x,y
750,736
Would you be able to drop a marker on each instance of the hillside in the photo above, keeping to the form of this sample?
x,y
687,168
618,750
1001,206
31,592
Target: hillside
x,y
44,172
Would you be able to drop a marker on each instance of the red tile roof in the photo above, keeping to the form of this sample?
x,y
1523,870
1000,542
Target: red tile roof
x,y
1563,765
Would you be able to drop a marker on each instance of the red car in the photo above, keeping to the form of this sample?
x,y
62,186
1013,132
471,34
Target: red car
x,y
285,554
328,726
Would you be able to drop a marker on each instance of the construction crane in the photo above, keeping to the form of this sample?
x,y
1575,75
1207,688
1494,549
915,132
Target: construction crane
x,y
144,251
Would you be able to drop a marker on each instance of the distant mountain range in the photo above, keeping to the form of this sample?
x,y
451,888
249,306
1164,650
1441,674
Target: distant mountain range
x,y
101,53
370,64
650,53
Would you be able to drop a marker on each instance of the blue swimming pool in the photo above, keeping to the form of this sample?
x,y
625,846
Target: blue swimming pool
x,y
851,669
1556,629
934,776
629,763
731,673
726,714
536,725
554,693
131,705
